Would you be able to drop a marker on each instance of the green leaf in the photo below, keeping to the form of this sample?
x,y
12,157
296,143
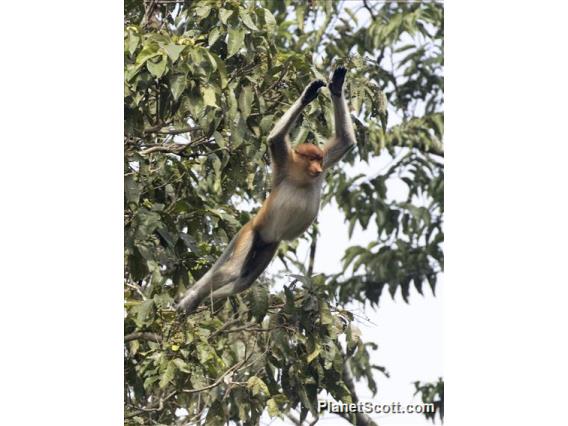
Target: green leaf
x,y
209,96
235,41
168,375
204,352
256,385
353,335
325,313
203,11
131,190
266,124
258,301
219,139
144,310
178,83
157,69
174,50
213,36
181,364
245,101
221,70
273,409
224,14
314,354
133,41
215,414
269,19
147,52
247,20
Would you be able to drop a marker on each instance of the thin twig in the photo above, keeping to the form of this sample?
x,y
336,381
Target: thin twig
x,y
151,337
366,6
224,327
219,380
171,148
158,130
137,289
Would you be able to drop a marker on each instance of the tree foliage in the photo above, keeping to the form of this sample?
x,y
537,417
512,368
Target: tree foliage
x,y
204,83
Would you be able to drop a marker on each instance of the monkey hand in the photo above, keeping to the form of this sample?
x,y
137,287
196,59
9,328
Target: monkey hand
x,y
312,91
337,79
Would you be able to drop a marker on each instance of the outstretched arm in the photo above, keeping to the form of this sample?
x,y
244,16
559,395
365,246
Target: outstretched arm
x,y
344,137
278,138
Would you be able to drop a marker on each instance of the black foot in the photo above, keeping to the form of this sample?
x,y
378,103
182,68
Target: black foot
x,y
312,91
337,79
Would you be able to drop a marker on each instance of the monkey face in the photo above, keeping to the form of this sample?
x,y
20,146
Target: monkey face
x,y
309,158
315,167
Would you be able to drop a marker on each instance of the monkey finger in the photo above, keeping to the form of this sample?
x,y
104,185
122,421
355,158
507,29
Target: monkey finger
x,y
312,91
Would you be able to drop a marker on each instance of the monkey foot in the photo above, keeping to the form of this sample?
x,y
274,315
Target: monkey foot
x,y
312,91
188,304
337,79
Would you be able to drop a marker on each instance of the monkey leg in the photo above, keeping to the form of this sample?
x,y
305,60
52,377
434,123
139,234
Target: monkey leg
x,y
260,256
225,270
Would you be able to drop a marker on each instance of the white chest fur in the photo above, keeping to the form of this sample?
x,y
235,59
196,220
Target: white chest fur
x,y
292,211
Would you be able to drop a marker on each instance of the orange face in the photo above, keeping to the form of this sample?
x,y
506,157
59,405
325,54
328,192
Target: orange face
x,y
311,158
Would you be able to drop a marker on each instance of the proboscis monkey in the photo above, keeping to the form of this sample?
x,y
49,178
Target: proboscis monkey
x,y
297,176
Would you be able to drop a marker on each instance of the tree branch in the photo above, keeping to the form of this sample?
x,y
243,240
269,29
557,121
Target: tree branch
x,y
221,377
173,148
366,6
361,419
150,6
158,130
151,337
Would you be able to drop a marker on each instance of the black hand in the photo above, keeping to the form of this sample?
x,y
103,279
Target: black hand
x,y
336,84
312,91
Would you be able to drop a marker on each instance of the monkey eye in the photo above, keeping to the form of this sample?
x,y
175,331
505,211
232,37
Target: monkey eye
x,y
308,156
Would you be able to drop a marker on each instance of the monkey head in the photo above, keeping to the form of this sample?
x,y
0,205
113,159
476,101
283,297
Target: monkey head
x,y
308,160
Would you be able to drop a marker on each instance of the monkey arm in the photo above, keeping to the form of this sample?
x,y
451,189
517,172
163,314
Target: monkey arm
x,y
278,137
344,137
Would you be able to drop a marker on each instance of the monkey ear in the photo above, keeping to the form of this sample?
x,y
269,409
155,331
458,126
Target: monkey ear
x,y
337,79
